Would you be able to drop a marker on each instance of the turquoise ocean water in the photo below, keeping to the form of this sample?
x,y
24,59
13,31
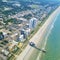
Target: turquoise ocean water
x,y
53,42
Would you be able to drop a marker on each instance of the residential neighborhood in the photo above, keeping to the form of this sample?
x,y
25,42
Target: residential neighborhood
x,y
19,20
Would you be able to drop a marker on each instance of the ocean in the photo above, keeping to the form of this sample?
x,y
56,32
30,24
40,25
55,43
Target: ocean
x,y
53,42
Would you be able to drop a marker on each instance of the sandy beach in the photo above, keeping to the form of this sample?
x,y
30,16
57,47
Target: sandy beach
x,y
28,51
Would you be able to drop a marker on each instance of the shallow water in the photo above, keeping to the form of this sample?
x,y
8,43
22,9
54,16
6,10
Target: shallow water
x,y
53,42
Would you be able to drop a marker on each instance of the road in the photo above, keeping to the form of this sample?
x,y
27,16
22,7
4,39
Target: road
x,y
25,55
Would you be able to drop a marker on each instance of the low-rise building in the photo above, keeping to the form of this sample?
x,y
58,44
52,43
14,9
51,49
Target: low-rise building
x,y
5,52
12,44
20,45
5,32
15,36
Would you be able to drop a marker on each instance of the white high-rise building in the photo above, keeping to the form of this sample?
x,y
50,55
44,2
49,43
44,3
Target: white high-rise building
x,y
33,23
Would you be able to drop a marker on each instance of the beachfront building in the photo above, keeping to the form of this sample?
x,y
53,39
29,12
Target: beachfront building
x,y
27,32
21,38
23,33
33,23
12,44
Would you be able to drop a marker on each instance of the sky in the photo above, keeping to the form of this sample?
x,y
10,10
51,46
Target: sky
x,y
42,0
55,0
51,0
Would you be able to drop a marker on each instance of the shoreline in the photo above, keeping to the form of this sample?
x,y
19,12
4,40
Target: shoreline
x,y
44,45
37,37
